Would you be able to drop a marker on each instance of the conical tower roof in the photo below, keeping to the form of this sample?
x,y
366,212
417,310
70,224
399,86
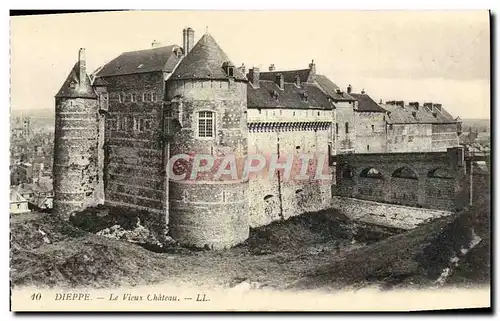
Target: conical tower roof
x,y
73,87
205,61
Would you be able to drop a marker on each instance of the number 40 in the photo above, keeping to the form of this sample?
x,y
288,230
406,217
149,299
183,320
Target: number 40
x,y
36,296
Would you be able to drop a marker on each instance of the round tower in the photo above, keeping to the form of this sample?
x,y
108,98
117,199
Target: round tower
x,y
207,99
76,142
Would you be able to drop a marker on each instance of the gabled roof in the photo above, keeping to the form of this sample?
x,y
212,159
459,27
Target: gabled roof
x,y
205,61
288,75
290,97
140,61
404,115
74,87
331,89
367,104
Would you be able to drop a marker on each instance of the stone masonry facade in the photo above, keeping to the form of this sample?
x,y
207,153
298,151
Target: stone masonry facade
x,y
118,130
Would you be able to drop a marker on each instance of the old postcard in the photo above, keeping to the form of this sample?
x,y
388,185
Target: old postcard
x,y
250,160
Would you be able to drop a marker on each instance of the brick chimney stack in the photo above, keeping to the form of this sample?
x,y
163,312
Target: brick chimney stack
x,y
349,89
272,67
155,44
243,69
254,76
188,39
82,66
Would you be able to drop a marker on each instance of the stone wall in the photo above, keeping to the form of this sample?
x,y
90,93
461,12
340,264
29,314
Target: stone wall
x,y
208,212
427,180
398,216
370,132
134,149
281,198
76,151
444,136
408,138
345,137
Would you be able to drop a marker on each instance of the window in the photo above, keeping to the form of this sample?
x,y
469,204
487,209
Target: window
x,y
205,124
133,97
390,126
368,147
153,96
347,128
124,124
336,128
373,128
230,71
168,122
18,206
121,97
104,100
139,124
318,113
405,172
371,172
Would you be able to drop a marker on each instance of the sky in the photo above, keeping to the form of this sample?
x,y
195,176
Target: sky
x,y
438,56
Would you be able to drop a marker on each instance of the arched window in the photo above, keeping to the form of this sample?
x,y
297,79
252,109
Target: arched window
x,y
440,173
205,124
371,172
405,172
268,197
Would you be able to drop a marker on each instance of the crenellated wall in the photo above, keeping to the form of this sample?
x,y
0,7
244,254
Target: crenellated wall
x,y
280,197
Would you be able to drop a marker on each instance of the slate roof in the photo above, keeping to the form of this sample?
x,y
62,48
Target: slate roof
x,y
80,89
141,61
404,115
288,75
205,61
290,97
331,89
367,104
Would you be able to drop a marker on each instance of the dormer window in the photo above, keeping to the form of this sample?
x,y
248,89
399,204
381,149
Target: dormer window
x,y
275,95
72,85
178,52
228,68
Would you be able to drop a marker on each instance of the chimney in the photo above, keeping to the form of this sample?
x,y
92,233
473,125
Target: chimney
x,y
82,72
155,44
188,39
400,103
272,67
437,106
349,89
243,69
254,76
312,72
280,81
363,91
297,80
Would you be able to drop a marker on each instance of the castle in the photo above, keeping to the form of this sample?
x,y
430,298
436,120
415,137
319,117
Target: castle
x,y
117,130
